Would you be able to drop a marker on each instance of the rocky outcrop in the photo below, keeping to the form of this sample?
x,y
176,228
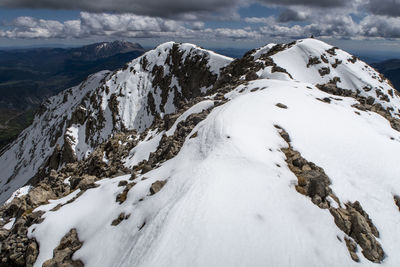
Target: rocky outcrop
x,y
397,201
122,216
170,145
355,222
62,254
122,197
15,247
247,67
352,248
313,61
313,182
157,186
365,103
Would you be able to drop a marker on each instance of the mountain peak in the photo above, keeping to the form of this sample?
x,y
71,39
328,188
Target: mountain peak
x,y
105,49
158,83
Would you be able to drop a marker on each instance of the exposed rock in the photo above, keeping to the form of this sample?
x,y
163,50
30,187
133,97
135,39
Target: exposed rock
x,y
32,251
370,100
280,105
62,254
337,63
365,103
332,88
313,61
120,218
332,51
170,146
78,116
157,186
312,180
15,247
326,100
397,201
352,220
324,71
353,59
146,168
87,182
55,158
251,76
352,247
122,197
355,222
324,59
40,195
122,183
382,96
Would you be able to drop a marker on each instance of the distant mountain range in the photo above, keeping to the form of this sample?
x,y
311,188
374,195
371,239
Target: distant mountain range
x,y
28,76
391,69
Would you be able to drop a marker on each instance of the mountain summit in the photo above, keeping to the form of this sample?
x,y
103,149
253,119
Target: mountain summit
x,y
104,49
285,157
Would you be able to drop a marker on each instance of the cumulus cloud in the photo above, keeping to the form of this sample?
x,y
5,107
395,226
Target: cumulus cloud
x,y
266,20
293,15
246,33
186,22
28,27
380,26
101,24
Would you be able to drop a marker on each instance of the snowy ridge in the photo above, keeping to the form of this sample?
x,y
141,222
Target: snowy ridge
x,y
36,144
230,194
313,61
129,99
251,173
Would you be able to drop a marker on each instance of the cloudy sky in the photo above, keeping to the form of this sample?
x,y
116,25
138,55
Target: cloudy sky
x,y
358,24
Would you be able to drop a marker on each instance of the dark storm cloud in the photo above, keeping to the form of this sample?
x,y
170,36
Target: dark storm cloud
x,y
384,7
291,15
309,3
161,8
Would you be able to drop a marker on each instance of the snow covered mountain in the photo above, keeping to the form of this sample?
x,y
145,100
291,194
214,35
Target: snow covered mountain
x,y
285,157
104,49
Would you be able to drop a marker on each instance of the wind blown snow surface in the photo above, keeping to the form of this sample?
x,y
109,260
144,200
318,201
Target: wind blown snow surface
x,y
230,199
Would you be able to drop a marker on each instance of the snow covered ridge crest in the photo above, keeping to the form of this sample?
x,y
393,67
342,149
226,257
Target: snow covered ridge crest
x,y
70,125
184,156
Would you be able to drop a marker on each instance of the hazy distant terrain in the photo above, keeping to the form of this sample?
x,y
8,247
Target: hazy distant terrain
x,y
391,69
28,76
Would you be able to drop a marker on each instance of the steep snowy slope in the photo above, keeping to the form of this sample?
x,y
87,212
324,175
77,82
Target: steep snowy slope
x,y
73,123
31,151
230,198
313,61
268,163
